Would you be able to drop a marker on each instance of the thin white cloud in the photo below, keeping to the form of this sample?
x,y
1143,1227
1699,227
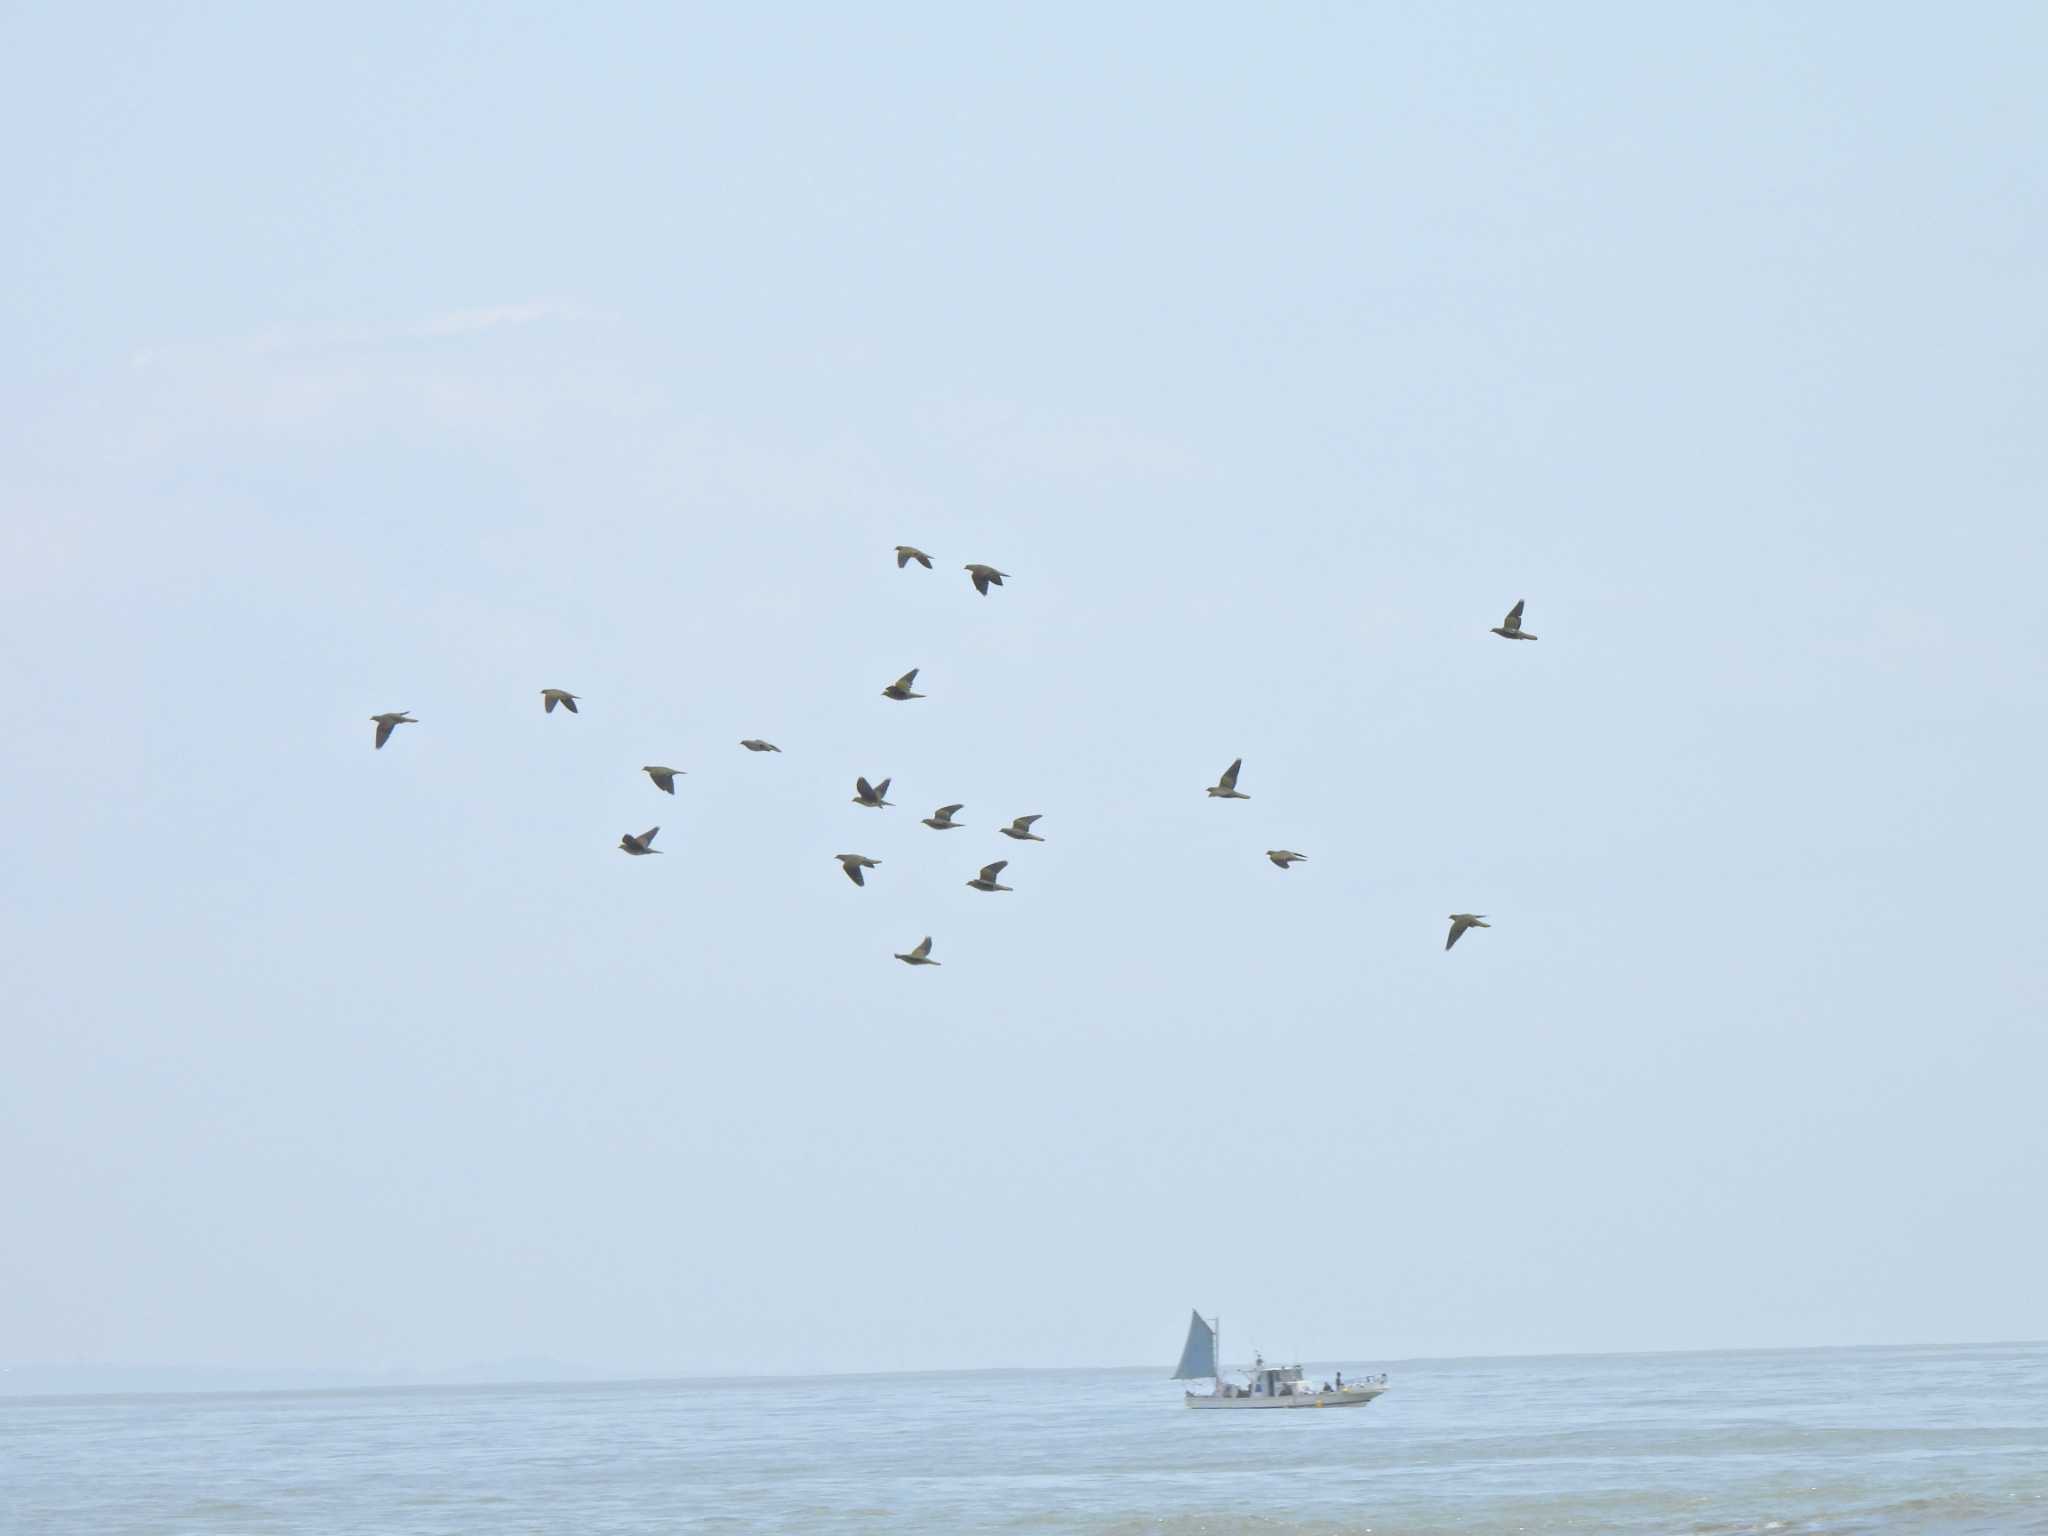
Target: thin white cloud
x,y
1004,437
299,341
514,375
468,322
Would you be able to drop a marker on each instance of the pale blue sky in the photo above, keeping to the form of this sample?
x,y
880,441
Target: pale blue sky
x,y
421,357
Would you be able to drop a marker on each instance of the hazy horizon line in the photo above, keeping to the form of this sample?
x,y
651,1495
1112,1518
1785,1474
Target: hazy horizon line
x,y
551,1373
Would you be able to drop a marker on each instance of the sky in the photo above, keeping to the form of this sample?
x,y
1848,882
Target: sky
x,y
424,356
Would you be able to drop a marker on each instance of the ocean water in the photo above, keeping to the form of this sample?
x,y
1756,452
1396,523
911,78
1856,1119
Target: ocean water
x,y
1949,1440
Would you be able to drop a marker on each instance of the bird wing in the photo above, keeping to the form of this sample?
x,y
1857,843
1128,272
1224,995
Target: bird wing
x,y
881,789
1229,779
548,702
924,947
384,731
864,789
981,583
907,679
1457,928
990,871
1023,823
853,872
1514,619
646,837
569,703
902,556
945,812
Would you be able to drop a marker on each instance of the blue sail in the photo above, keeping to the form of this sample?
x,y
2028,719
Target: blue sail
x,y
1199,1357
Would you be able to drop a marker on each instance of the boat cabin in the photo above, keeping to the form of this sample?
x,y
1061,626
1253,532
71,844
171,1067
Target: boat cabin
x,y
1268,1381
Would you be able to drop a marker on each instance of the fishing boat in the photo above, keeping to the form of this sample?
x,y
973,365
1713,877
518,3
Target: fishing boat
x,y
1267,1386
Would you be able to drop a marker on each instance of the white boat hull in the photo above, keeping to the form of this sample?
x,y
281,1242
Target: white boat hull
x,y
1350,1397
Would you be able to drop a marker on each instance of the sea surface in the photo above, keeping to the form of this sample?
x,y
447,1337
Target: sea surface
x,y
1951,1440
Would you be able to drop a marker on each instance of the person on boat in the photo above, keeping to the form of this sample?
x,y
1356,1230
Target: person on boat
x,y
1340,1381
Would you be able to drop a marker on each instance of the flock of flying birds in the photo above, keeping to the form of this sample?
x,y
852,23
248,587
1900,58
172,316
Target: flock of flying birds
x,y
873,796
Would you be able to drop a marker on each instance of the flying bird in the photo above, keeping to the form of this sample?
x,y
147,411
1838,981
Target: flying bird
x,y
1020,829
986,880
900,689
905,553
871,795
641,844
1283,857
942,820
922,955
1510,628
1460,921
1225,788
390,719
854,863
664,778
550,697
755,744
984,576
